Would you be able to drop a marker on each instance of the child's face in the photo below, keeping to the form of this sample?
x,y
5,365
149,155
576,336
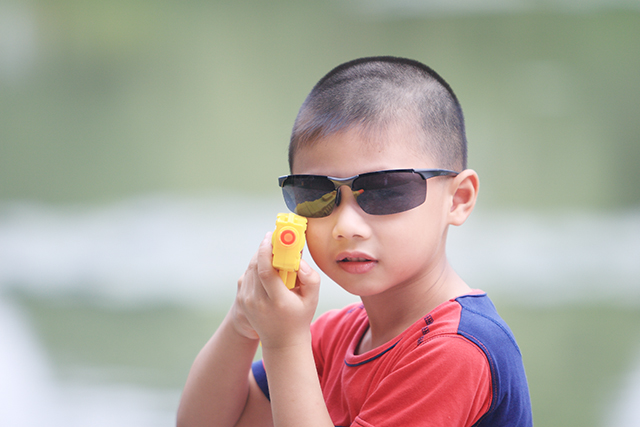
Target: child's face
x,y
375,254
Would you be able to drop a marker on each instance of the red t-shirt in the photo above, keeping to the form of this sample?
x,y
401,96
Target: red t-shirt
x,y
428,375
457,366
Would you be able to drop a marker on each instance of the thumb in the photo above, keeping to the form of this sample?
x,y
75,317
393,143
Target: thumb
x,y
309,279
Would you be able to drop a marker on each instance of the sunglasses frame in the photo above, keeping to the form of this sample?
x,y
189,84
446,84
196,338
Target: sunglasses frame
x,y
339,182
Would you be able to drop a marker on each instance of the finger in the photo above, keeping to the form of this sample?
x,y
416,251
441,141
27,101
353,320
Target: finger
x,y
269,276
251,266
240,288
309,279
249,285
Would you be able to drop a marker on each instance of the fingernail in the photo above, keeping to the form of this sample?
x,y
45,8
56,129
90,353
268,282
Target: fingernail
x,y
304,267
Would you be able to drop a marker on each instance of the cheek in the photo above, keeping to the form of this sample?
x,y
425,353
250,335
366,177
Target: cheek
x,y
316,240
416,236
405,244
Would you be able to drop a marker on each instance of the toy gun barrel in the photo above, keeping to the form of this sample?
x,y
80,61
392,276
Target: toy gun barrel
x,y
288,241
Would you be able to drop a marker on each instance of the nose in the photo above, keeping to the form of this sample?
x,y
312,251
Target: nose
x,y
350,220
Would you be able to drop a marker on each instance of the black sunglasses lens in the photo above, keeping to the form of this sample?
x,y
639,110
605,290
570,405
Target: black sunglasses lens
x,y
386,193
309,196
377,193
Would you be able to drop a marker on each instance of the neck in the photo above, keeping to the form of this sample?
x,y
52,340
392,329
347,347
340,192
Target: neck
x,y
392,312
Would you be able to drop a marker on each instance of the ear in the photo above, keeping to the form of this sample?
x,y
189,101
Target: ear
x,y
464,190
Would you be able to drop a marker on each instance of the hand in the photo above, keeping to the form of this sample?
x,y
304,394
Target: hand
x,y
239,319
265,308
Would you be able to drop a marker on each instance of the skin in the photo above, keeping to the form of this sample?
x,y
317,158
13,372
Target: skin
x,y
396,263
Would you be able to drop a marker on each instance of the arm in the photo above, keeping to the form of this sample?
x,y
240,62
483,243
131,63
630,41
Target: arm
x,y
218,384
296,396
220,391
282,319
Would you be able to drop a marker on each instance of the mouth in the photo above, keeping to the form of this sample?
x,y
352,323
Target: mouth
x,y
355,259
356,263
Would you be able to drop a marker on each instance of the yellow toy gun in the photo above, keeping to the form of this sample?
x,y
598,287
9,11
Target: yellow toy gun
x,y
288,241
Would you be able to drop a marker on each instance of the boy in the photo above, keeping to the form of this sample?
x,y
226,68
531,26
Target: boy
x,y
422,348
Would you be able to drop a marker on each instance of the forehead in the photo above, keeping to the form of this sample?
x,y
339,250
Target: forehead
x,y
357,151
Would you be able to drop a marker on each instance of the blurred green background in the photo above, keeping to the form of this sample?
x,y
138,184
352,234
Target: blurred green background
x,y
105,101
100,100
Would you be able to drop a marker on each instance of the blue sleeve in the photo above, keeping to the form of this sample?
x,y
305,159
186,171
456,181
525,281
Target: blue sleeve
x,y
481,324
261,377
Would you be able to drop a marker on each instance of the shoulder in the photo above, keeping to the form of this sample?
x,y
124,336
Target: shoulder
x,y
441,355
466,341
481,324
445,377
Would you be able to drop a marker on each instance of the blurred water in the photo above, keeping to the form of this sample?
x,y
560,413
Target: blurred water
x,y
626,412
183,249
192,250
142,249
31,395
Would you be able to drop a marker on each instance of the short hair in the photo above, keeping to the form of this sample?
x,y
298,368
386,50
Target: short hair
x,y
374,92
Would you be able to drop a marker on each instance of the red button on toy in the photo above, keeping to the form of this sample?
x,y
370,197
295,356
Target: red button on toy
x,y
288,237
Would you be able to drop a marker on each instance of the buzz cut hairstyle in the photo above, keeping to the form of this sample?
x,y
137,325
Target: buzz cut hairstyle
x,y
375,92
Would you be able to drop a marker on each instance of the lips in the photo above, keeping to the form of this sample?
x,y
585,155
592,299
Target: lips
x,y
356,262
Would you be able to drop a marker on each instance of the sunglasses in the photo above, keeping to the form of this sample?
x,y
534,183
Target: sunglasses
x,y
377,193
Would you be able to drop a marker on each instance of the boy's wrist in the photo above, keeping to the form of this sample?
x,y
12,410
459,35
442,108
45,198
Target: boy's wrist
x,y
294,386
241,329
287,342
